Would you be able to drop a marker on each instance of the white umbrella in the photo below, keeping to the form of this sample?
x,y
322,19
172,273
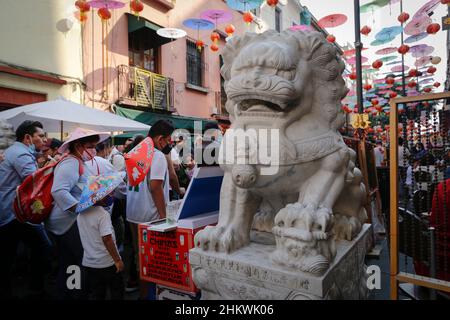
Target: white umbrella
x,y
62,115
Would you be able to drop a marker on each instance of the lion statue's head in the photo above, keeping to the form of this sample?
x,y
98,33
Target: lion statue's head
x,y
283,75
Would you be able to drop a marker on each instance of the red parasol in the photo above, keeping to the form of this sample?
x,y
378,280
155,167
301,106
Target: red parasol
x,y
138,161
352,60
333,20
386,51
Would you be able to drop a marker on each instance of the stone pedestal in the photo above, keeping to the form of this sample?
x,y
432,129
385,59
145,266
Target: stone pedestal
x,y
249,274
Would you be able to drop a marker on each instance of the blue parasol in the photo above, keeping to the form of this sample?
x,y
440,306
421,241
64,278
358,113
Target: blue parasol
x,y
198,24
379,42
416,37
388,33
244,5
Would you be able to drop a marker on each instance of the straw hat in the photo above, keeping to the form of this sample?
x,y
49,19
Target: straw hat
x,y
79,133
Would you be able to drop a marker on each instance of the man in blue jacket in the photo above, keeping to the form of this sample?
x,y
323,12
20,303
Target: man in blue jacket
x,y
19,162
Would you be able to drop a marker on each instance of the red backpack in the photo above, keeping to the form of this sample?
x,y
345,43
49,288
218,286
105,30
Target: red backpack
x,y
34,201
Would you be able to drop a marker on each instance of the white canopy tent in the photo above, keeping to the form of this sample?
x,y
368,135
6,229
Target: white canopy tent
x,y
61,115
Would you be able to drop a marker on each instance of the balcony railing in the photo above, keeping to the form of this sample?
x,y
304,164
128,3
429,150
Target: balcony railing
x,y
143,88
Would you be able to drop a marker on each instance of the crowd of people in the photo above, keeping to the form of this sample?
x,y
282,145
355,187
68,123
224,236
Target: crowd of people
x,y
102,239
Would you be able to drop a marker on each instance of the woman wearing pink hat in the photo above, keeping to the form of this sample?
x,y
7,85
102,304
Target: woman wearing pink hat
x,y
68,182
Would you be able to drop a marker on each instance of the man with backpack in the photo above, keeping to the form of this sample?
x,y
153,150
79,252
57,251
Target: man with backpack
x,y
20,162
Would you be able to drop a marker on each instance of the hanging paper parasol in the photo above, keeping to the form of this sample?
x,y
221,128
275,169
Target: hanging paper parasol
x,y
171,33
426,9
399,68
388,33
388,58
332,20
352,52
374,5
417,37
198,24
217,16
422,61
393,62
380,42
301,27
423,51
138,161
97,188
426,81
244,5
386,51
418,25
110,4
352,60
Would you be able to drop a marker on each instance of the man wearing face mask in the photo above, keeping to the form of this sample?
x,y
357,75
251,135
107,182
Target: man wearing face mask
x,y
68,182
20,162
147,201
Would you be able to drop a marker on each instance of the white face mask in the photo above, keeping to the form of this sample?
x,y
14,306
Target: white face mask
x,y
88,154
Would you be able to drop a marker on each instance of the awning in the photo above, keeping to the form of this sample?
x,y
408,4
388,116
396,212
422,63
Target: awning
x,y
141,27
150,118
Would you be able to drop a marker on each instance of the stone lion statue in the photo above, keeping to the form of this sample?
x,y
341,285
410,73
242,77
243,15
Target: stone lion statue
x,y
290,82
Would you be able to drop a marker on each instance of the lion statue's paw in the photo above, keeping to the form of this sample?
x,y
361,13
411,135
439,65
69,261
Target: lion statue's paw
x,y
219,238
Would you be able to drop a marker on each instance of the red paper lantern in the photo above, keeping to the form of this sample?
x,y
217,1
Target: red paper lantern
x,y
83,6
425,104
214,47
136,6
104,14
403,49
431,70
200,44
367,87
392,95
377,64
272,3
366,30
445,1
352,76
355,110
403,17
433,28
248,17
378,108
387,112
331,38
427,90
229,29
390,80
437,84
412,73
82,17
375,102
379,130
412,84
215,37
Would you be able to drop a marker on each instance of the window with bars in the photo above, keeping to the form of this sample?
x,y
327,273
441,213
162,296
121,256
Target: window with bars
x,y
278,19
194,64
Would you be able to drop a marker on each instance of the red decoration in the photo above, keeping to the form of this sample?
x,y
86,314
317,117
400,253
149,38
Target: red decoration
x,y
403,17
214,47
104,14
83,6
136,6
139,160
378,108
432,69
437,84
272,3
403,49
425,104
412,84
366,30
248,17
367,87
215,37
229,29
352,76
392,95
413,73
390,80
331,38
375,102
427,90
200,44
81,16
445,1
433,28
377,64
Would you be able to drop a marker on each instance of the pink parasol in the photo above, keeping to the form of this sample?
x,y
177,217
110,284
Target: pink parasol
x,y
422,52
422,61
365,66
399,68
352,52
386,51
332,20
352,60
110,4
417,25
301,27
426,9
217,16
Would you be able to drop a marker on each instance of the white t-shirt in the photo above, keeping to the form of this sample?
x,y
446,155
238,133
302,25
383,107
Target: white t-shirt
x,y
93,224
140,205
379,156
